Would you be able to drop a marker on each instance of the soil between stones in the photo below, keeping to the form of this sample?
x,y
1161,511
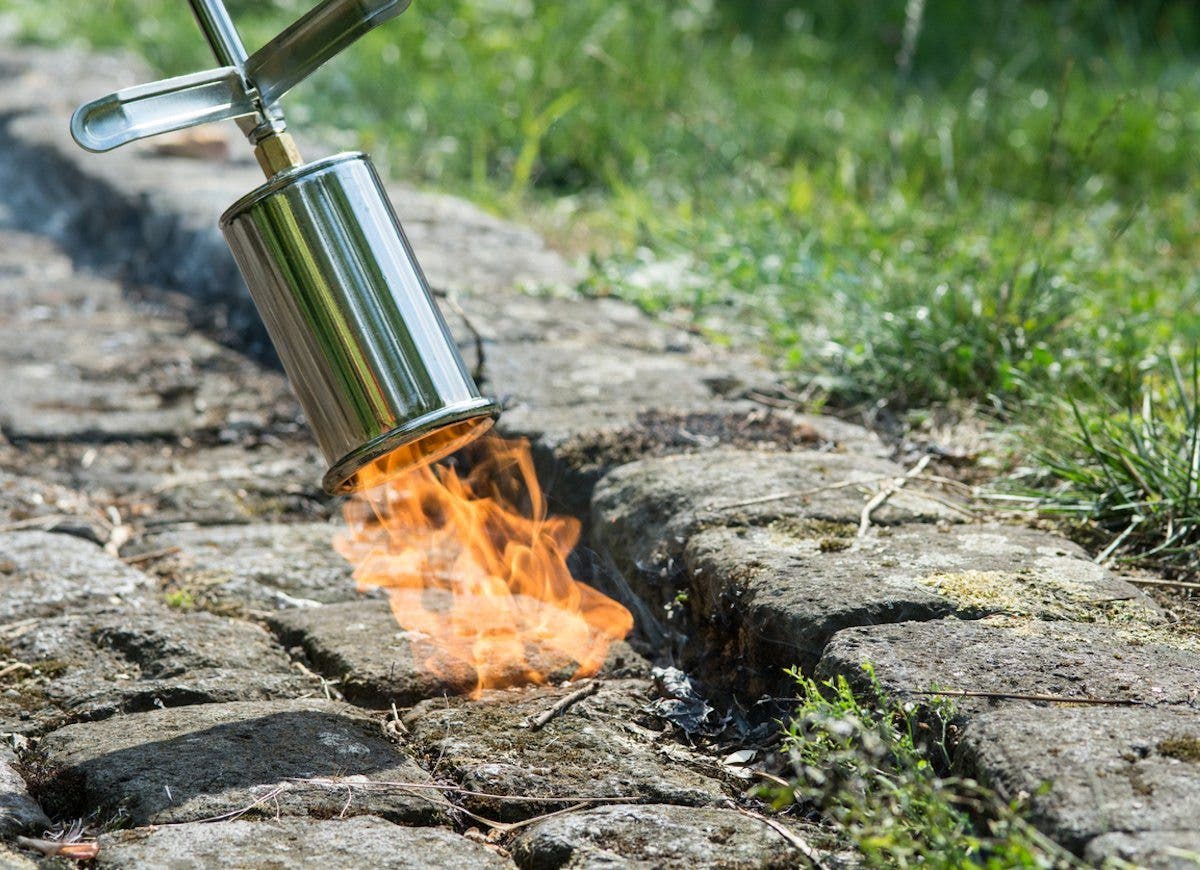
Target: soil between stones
x,y
603,747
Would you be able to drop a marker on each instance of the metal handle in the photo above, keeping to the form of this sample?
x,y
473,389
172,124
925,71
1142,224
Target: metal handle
x,y
242,86
298,51
160,107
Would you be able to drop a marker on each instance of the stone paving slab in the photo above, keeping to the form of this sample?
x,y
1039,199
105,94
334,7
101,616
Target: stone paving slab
x,y
264,566
650,836
1153,850
771,597
94,665
38,282
1102,660
19,812
1086,772
361,842
603,746
644,512
92,376
157,483
190,763
31,505
359,644
44,574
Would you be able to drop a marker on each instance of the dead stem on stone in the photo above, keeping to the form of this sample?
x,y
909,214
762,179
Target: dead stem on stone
x,y
793,493
232,815
61,849
538,722
150,556
577,802
1018,696
393,726
1167,584
13,668
791,836
479,370
881,498
329,687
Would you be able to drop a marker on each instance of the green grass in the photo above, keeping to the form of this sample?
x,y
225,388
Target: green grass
x,y
1008,215
873,766
1135,475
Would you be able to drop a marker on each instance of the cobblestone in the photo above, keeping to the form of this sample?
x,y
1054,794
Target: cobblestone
x,y
92,665
191,763
360,843
359,644
44,574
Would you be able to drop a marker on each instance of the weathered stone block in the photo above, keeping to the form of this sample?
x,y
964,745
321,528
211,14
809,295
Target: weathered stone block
x,y
162,483
643,513
1086,772
1152,850
43,574
361,843
359,644
92,665
191,763
268,566
653,835
603,746
91,376
771,597
1132,662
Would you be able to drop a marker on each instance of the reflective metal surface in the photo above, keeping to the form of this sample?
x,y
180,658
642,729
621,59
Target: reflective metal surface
x,y
161,107
242,86
350,313
321,33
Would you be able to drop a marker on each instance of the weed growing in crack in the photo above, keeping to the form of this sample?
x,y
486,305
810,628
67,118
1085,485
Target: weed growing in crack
x,y
876,768
1133,474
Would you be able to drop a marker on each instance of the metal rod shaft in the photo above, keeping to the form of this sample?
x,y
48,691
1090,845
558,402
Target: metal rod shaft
x,y
220,32
266,130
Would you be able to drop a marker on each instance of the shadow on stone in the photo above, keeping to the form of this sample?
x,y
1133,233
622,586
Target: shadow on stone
x,y
188,764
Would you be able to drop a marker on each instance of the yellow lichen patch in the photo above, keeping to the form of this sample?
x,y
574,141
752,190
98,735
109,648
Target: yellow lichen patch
x,y
1032,594
1136,634
830,536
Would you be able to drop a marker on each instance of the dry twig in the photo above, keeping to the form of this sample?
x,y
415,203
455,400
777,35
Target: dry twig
x,y
150,556
538,722
58,848
791,836
1166,584
13,668
881,498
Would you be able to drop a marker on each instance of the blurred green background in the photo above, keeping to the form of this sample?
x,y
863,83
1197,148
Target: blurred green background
x,y
998,198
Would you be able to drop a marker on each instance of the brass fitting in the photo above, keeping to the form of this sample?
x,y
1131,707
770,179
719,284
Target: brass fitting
x,y
277,152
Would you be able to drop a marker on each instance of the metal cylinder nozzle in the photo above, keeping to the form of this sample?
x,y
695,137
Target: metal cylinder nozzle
x,y
350,313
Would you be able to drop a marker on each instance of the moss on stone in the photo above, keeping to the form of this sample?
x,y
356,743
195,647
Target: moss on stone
x,y
1184,748
840,535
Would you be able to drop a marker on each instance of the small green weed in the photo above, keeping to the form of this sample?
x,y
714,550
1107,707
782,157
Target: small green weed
x,y
180,599
874,767
1134,474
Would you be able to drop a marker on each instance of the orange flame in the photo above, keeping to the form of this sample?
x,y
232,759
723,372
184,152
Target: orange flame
x,y
481,585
